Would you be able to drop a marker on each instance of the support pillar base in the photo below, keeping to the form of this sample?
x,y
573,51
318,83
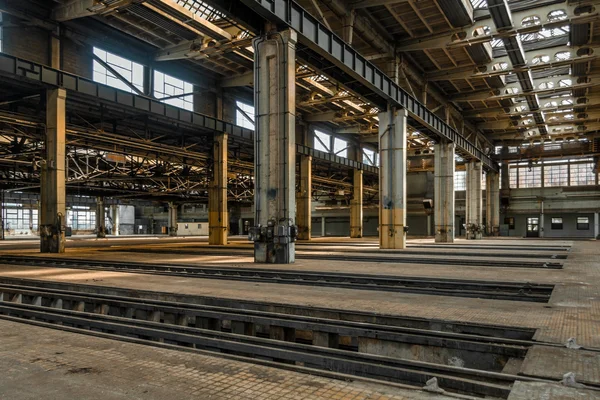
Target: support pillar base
x,y
274,253
444,234
217,236
52,240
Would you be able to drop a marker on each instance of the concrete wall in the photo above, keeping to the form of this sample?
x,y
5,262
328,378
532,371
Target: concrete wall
x,y
192,229
569,225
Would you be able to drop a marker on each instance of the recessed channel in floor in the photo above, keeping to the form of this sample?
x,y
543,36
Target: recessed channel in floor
x,y
406,350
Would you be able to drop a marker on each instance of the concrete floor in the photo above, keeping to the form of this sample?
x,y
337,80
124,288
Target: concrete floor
x,y
573,310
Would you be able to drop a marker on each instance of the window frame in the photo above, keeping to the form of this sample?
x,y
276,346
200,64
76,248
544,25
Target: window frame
x,y
583,226
510,221
555,225
183,102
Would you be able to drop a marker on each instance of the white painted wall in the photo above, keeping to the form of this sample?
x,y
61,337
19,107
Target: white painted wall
x,y
192,229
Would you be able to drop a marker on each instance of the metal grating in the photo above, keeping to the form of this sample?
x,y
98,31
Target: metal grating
x,y
201,9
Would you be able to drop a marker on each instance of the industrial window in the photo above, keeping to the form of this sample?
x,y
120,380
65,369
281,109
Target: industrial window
x,y
530,177
244,115
583,223
340,147
81,219
556,175
460,182
557,223
129,70
510,221
19,218
322,141
513,178
170,90
369,156
582,174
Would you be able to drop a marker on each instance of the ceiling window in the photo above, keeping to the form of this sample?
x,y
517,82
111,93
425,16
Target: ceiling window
x,y
201,9
244,115
542,58
173,91
130,71
557,15
562,55
532,20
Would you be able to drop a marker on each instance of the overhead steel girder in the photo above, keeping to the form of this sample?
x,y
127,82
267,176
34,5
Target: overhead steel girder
x,y
577,54
569,102
41,75
187,18
589,133
344,62
474,34
203,49
507,125
485,95
74,9
500,112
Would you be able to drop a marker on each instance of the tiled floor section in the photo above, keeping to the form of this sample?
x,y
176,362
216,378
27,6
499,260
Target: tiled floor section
x,y
549,391
573,311
553,363
42,363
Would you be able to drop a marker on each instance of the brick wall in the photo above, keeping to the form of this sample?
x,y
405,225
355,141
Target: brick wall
x,y
26,42
77,59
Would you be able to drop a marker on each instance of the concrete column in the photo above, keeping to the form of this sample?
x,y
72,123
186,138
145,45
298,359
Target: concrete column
x,y
541,225
443,192
348,29
53,190
275,151
322,226
217,200
100,218
55,54
474,200
2,215
597,225
356,206
115,218
303,206
392,179
172,219
492,203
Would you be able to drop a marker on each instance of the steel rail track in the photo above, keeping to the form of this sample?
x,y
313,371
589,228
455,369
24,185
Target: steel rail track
x,y
121,305
333,257
412,372
412,323
443,287
314,248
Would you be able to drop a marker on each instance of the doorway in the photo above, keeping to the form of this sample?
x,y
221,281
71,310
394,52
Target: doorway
x,y
533,227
